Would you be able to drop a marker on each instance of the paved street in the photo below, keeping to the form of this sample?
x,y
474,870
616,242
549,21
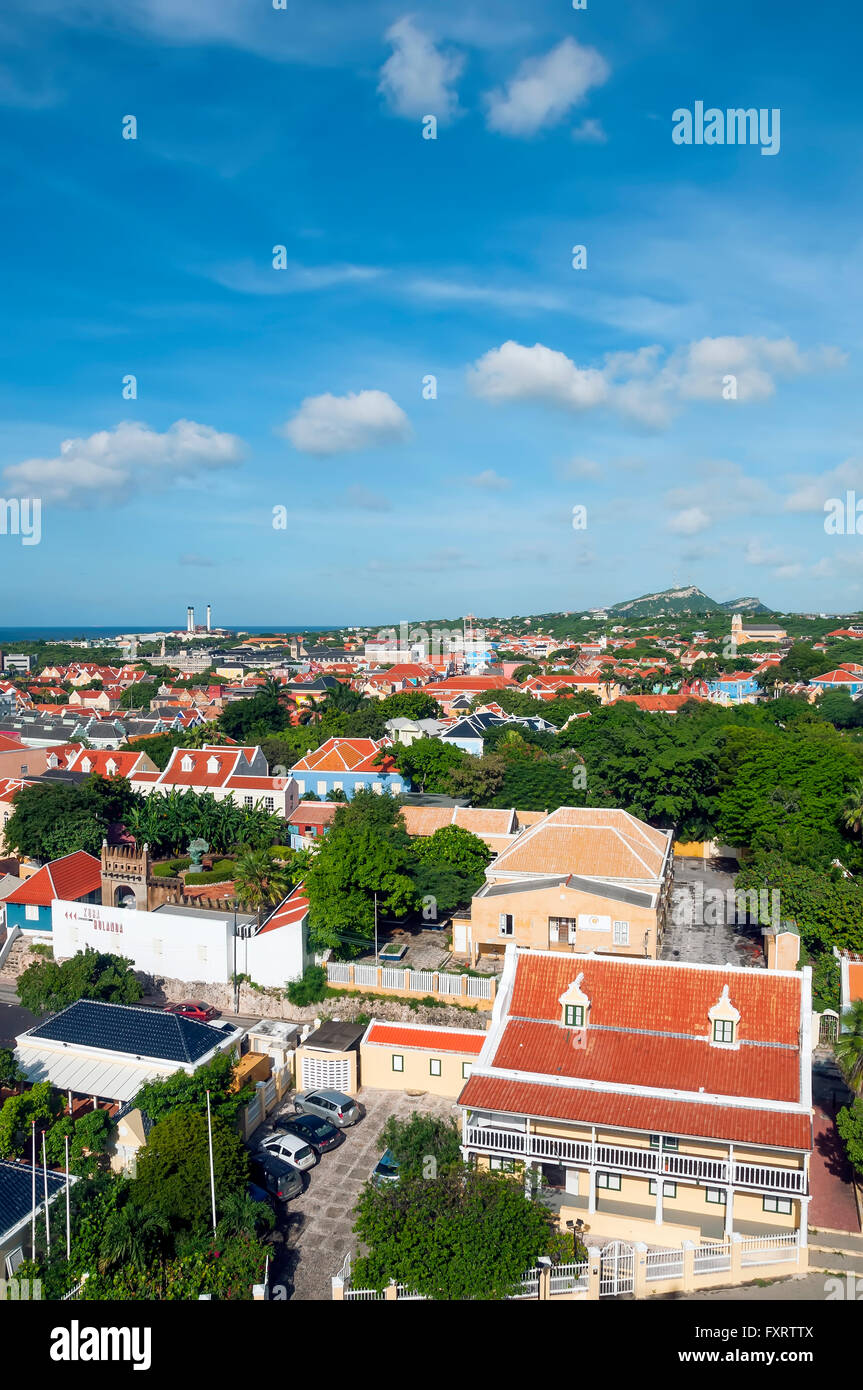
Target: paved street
x,y
13,1020
319,1231
707,932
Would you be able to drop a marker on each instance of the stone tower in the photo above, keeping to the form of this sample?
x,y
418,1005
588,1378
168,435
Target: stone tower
x,y
125,870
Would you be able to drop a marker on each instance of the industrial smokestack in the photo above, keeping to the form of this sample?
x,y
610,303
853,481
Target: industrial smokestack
x,y
190,619
208,617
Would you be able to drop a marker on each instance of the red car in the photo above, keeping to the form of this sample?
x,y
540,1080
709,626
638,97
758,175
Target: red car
x,y
194,1008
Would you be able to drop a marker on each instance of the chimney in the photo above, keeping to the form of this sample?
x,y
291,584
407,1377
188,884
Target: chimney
x,y
208,617
190,619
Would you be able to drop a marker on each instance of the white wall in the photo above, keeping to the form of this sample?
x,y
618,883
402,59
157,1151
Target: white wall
x,y
160,943
272,958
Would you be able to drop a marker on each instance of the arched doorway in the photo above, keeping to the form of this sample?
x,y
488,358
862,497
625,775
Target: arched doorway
x,y
125,896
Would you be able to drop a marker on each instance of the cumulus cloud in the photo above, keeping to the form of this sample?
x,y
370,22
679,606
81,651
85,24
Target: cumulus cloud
x,y
545,89
342,424
489,481
417,78
689,521
646,386
811,490
112,464
513,372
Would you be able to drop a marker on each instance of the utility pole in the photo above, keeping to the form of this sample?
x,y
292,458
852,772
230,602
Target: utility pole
x,y
68,1228
376,930
45,1182
33,1193
212,1174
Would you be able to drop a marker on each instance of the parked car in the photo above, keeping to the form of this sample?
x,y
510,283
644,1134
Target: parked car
x,y
278,1177
335,1106
319,1133
194,1008
386,1169
260,1194
290,1147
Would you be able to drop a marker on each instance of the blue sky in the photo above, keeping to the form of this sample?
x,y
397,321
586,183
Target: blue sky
x,y
405,257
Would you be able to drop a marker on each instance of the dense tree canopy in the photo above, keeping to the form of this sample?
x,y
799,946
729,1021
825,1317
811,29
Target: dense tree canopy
x,y
48,985
51,819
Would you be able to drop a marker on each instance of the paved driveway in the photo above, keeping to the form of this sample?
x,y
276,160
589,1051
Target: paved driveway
x,y
701,926
318,1232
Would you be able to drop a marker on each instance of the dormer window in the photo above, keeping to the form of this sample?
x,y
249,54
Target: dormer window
x,y
187,764
723,1030
723,1022
111,767
86,765
212,764
575,1005
573,1015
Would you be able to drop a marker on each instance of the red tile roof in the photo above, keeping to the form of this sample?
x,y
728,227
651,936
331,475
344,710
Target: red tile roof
x,y
671,1063
70,878
693,1119
659,997
346,755
432,1039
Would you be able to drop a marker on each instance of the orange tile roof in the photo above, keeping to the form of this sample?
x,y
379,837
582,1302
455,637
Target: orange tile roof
x,y
346,755
594,842
735,1124
659,997
670,1063
432,1039
72,877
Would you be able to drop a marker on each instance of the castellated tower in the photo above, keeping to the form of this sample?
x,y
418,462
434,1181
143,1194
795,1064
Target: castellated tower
x,y
125,870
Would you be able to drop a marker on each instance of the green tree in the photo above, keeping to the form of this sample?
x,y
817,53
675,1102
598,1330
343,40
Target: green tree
x,y
848,1047
241,1215
849,1123
10,1073
179,1091
428,763
41,1103
173,1177
419,1138
410,704
48,986
259,882
466,1235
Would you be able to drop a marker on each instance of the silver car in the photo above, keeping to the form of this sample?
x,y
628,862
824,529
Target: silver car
x,y
335,1106
290,1147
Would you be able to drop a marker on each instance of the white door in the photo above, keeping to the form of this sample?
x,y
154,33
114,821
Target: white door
x,y
459,938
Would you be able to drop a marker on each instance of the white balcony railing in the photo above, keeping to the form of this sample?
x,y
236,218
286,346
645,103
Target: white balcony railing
x,y
761,1177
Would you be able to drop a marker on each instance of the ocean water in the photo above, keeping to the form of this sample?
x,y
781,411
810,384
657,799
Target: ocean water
x,y
10,635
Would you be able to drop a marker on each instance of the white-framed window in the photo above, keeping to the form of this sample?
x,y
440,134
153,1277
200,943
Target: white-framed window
x,y
782,1205
502,1165
669,1189
248,801
465,1070
398,1061
621,934
434,1066
86,765
715,1196
212,764
31,913
505,924
301,786
322,788
187,764
723,1030
377,787
562,929
338,786
608,1180
269,804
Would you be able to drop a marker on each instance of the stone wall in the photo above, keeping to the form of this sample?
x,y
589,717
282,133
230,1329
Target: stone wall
x,y
255,1003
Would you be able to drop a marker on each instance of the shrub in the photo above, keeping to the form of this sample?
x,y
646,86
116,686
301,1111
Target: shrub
x,y
311,989
281,852
211,876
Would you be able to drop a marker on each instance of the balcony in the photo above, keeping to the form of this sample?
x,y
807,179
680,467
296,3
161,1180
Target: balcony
x,y
758,1177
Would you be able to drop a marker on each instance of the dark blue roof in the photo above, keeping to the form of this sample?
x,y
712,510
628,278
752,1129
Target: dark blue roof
x,y
16,1189
124,1028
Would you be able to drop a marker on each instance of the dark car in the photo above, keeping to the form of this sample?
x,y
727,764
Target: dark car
x,y
194,1008
278,1177
318,1132
260,1194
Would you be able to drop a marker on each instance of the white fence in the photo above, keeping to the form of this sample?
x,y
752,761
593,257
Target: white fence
x,y
712,1258
664,1264
388,977
569,1278
767,1250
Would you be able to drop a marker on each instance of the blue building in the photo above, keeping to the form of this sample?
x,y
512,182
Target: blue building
x,y
349,765
76,878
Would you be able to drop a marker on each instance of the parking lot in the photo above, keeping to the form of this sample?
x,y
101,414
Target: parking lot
x,y
318,1230
707,933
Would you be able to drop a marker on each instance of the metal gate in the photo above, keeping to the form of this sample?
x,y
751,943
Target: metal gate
x,y
617,1269
828,1028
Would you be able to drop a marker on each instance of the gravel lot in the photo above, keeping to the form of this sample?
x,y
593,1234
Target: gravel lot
x,y
714,942
318,1231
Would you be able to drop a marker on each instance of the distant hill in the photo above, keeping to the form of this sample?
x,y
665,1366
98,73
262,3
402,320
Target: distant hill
x,y
683,599
745,605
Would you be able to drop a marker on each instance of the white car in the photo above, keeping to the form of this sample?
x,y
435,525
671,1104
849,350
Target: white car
x,y
292,1148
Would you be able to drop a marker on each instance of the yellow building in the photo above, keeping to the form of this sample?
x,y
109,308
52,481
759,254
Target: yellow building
x,y
743,633
650,1101
582,879
416,1057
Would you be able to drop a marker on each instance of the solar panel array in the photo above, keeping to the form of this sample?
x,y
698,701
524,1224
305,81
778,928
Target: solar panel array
x,y
16,1181
137,1032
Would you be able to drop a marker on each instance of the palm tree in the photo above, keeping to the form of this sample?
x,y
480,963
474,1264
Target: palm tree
x,y
260,882
131,1237
852,815
848,1047
241,1215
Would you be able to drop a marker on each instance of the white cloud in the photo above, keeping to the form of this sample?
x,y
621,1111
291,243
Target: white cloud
x,y
689,522
417,78
812,490
340,424
489,481
757,553
544,89
513,372
112,464
248,277
590,132
645,386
